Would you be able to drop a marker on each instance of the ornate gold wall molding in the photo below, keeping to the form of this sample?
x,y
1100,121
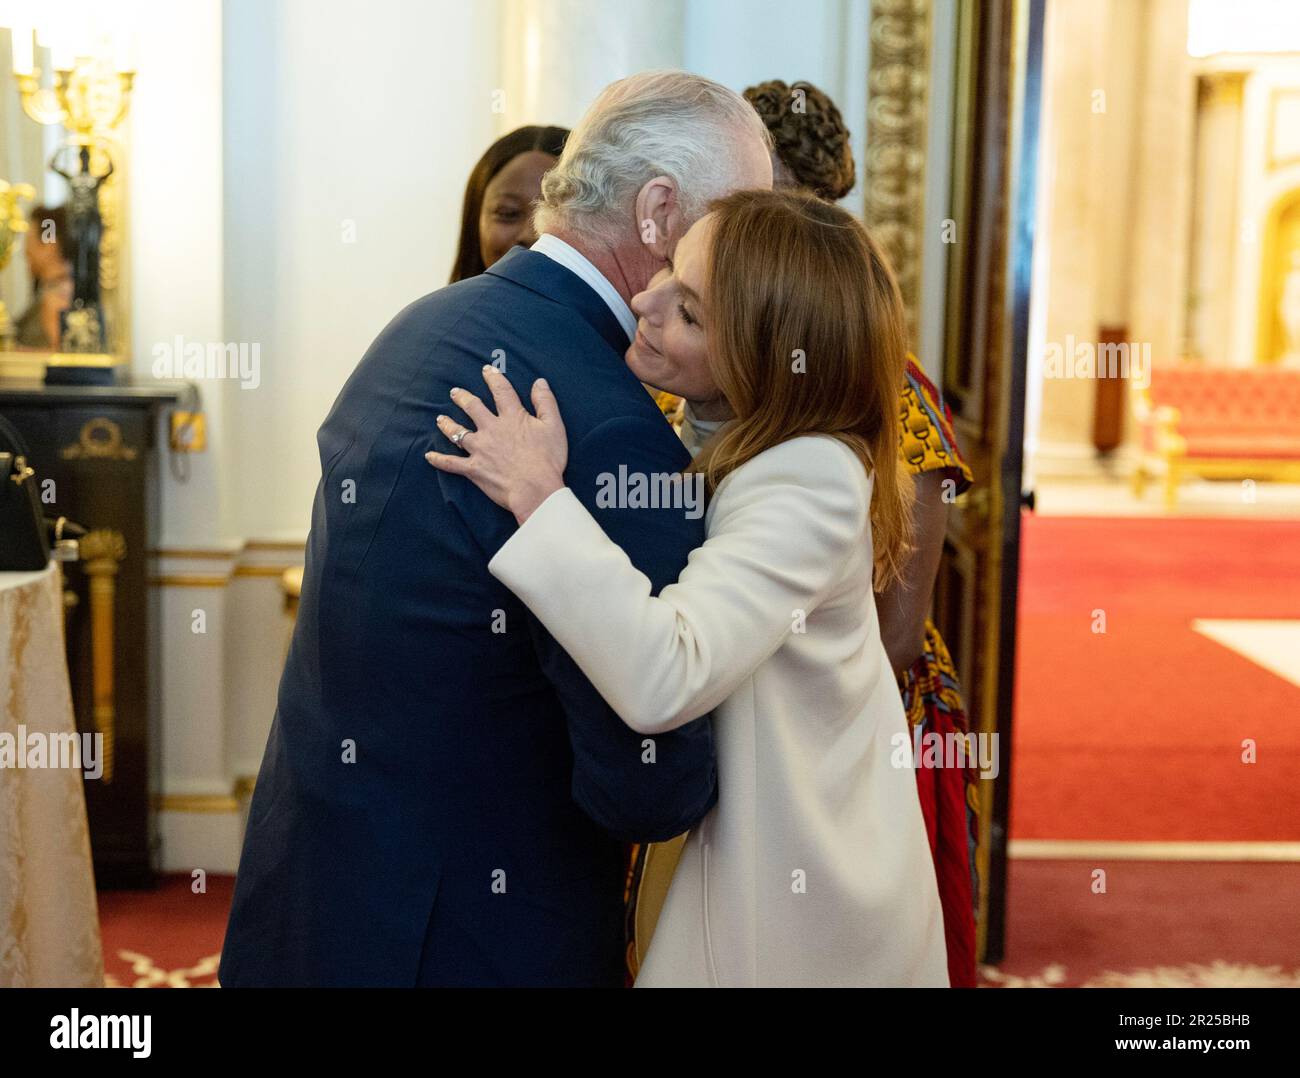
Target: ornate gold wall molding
x,y
100,439
1220,88
1280,258
205,803
1281,153
241,790
181,580
897,106
200,553
232,553
276,571
252,559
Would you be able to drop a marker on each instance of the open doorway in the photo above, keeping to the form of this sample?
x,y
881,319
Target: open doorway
x,y
1154,820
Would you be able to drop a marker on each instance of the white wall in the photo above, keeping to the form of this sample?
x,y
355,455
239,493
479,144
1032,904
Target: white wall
x,y
742,42
557,55
932,305
350,130
175,223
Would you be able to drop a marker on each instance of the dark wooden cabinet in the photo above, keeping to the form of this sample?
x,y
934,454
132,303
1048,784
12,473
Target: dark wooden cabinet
x,y
96,445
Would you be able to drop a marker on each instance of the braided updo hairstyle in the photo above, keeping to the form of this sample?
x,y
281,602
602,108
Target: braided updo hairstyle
x,y
811,139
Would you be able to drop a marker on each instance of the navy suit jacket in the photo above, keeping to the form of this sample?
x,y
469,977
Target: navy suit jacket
x,y
444,796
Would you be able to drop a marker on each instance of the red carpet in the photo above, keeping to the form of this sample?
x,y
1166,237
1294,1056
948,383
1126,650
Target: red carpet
x,y
168,938
1131,734
1137,733
1177,925
1158,923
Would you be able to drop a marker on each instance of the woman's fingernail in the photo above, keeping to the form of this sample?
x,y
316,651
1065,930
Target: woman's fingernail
x,y
542,382
428,457
455,390
487,367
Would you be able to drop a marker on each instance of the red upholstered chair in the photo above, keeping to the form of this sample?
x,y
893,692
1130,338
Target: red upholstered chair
x,y
1217,422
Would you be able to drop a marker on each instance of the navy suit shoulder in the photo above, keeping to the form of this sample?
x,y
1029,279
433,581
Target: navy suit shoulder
x,y
442,795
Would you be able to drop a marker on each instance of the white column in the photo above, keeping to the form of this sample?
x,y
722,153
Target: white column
x,y
1215,216
1163,193
557,55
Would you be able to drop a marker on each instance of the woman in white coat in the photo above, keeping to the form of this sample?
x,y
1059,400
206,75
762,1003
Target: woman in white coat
x,y
779,315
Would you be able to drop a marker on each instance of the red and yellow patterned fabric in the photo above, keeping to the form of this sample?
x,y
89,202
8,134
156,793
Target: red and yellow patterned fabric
x,y
670,405
927,442
932,699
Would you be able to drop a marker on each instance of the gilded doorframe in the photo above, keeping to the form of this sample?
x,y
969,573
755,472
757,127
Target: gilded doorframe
x,y
985,309
898,79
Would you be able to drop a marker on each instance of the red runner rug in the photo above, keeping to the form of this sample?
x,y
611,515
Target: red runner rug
x,y
1137,732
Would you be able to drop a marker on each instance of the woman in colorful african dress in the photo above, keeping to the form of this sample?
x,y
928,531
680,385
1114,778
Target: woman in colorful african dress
x,y
927,677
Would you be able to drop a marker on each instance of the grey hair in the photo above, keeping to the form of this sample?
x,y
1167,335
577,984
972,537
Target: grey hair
x,y
656,123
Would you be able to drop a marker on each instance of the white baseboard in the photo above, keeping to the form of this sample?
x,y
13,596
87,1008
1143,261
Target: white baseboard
x,y
1086,850
221,633
1069,460
207,840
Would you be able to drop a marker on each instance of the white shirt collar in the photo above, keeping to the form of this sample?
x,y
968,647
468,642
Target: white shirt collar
x,y
570,258
695,432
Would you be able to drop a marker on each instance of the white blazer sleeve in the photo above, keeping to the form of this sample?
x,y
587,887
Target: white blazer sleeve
x,y
783,526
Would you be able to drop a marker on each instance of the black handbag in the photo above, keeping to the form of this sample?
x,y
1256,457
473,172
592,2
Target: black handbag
x,y
24,541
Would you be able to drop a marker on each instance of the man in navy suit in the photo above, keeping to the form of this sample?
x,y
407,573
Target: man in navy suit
x,y
444,797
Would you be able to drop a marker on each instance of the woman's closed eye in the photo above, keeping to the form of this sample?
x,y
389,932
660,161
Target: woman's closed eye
x,y
686,315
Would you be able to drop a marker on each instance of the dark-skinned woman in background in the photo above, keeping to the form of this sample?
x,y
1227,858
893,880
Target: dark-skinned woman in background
x,y
497,212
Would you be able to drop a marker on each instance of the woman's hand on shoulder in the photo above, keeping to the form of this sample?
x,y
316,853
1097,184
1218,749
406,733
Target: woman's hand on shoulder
x,y
516,458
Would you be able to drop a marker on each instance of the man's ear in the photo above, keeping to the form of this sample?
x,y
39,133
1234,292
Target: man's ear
x,y
658,216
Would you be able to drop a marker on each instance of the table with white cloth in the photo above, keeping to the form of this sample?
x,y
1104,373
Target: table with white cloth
x,y
49,925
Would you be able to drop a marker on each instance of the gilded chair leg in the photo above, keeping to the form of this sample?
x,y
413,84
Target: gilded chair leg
x,y
1139,482
1171,488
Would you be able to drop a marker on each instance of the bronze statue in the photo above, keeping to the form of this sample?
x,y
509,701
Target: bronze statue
x,y
86,226
82,324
